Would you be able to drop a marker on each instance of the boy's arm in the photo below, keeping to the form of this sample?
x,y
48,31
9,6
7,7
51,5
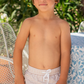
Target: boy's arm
x,y
19,45
65,50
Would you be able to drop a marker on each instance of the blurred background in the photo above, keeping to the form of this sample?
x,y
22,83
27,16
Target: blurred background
x,y
15,11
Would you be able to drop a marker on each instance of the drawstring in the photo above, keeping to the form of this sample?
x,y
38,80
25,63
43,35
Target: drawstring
x,y
46,75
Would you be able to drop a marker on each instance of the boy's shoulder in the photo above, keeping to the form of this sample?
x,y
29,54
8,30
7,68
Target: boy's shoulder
x,y
27,22
63,23
30,19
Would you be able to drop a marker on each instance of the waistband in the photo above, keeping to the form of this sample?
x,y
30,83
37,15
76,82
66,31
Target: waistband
x,y
40,71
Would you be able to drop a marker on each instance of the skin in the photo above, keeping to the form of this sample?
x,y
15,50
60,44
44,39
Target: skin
x,y
49,42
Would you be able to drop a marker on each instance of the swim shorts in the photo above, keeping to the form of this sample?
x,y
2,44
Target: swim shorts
x,y
38,76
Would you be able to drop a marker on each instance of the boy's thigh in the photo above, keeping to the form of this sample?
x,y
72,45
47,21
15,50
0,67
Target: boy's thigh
x,y
31,78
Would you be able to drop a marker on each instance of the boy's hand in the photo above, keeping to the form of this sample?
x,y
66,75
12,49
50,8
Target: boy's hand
x,y
20,80
61,82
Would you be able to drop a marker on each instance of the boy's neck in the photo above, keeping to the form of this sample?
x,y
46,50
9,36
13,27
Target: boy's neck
x,y
46,15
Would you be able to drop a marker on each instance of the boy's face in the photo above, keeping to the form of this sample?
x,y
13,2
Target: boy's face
x,y
44,5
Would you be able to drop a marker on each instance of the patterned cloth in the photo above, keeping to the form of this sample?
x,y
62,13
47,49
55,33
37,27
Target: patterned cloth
x,y
76,70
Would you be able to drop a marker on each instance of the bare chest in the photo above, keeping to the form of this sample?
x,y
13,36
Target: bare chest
x,y
45,32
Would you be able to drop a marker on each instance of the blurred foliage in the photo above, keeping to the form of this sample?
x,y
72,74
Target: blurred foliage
x,y
69,10
18,10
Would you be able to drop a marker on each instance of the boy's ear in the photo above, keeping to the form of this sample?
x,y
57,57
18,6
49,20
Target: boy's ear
x,y
33,1
56,1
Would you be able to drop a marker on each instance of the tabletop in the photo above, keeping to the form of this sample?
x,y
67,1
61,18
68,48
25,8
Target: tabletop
x,y
76,69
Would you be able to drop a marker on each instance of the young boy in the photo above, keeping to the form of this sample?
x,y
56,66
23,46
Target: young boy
x,y
49,47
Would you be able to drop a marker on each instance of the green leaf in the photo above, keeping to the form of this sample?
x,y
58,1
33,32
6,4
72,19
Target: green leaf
x,y
13,14
1,10
71,18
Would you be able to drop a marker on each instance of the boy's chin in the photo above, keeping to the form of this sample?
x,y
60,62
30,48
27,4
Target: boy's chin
x,y
43,10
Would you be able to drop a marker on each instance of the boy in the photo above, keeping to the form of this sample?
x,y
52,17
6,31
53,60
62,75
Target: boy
x,y
49,47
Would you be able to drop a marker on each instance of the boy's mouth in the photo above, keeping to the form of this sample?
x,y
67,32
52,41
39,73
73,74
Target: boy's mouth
x,y
42,4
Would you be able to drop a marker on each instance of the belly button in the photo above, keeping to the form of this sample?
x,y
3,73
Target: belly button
x,y
43,66
34,35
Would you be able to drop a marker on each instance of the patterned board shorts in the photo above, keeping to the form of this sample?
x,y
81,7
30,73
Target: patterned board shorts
x,y
38,76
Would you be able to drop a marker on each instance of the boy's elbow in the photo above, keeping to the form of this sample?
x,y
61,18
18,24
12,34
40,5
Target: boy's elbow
x,y
17,49
18,46
17,54
65,54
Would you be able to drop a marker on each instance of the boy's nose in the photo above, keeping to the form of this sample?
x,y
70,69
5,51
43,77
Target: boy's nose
x,y
42,1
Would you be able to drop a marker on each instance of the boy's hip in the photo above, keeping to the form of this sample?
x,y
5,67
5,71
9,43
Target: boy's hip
x,y
42,72
38,76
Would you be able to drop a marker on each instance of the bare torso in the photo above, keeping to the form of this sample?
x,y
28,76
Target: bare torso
x,y
44,44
